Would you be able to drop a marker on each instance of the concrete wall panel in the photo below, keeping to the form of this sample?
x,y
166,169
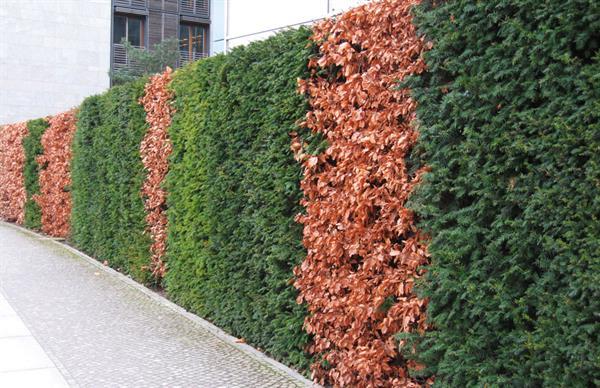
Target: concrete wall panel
x,y
53,54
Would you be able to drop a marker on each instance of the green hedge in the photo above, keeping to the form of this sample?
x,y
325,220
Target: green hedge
x,y
234,190
32,144
510,125
108,218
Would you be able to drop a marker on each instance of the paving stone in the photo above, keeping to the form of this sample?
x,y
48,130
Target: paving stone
x,y
46,377
102,332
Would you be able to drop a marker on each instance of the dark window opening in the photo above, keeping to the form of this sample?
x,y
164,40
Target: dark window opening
x,y
130,28
192,40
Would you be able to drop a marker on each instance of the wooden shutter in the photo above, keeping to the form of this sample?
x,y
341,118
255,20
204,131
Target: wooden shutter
x,y
155,5
170,25
155,27
170,6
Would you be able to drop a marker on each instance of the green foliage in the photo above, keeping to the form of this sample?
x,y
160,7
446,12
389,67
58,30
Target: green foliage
x,y
33,148
234,190
147,62
509,116
107,172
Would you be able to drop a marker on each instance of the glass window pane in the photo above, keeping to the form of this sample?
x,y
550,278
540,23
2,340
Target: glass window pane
x,y
119,28
199,39
135,31
183,37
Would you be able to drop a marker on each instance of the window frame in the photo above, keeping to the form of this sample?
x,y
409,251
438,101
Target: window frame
x,y
129,17
191,46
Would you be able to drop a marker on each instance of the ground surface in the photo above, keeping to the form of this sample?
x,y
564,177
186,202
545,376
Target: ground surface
x,y
65,321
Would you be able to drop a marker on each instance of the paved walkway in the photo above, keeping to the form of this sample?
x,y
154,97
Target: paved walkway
x,y
87,326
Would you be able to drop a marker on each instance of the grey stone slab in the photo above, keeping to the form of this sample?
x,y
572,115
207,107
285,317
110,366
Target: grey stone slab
x,y
46,377
22,353
12,326
103,331
5,309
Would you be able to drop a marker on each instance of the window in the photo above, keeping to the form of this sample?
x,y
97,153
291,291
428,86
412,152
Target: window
x,y
130,28
192,39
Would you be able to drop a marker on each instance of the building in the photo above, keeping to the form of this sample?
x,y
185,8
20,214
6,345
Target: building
x,y
237,22
55,53
145,23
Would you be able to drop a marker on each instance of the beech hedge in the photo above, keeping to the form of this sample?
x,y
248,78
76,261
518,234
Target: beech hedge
x,y
12,162
155,151
234,190
510,127
363,249
107,219
32,144
55,178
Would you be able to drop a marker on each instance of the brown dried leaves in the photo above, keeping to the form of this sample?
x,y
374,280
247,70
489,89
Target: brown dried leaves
x,y
55,174
12,162
363,247
155,150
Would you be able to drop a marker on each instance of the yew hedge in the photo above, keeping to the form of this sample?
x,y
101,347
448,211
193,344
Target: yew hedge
x,y
108,217
32,145
234,190
510,126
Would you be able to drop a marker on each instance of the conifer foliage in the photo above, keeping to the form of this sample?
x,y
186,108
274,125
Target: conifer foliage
x,y
233,189
364,250
107,219
32,144
509,118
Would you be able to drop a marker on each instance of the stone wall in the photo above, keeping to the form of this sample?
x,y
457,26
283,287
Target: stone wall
x,y
53,54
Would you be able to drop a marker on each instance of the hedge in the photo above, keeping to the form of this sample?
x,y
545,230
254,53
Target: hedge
x,y
107,219
12,181
33,148
155,150
55,177
509,119
234,190
363,249
510,125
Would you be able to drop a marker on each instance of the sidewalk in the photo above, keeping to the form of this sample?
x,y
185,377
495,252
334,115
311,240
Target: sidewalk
x,y
23,362
65,319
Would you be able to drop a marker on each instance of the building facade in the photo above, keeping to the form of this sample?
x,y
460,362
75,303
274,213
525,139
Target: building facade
x,y
145,23
53,54
244,21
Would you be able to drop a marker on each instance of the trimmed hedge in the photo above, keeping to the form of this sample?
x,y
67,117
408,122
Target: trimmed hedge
x,y
55,178
363,248
155,151
12,162
234,190
510,124
32,144
107,174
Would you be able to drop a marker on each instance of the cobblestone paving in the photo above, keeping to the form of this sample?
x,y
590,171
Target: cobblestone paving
x,y
103,332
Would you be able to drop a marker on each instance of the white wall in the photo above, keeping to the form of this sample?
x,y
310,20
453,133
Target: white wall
x,y
245,19
53,54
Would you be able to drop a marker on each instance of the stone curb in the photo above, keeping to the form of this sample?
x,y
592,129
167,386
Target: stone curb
x,y
216,331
